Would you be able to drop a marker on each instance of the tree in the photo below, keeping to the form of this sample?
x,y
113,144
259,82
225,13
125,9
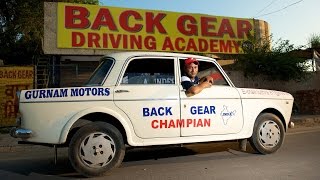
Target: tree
x,y
314,41
273,63
21,29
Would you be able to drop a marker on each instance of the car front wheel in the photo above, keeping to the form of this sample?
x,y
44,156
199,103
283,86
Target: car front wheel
x,y
268,134
96,148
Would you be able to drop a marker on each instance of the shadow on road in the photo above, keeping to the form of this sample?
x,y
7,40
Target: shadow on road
x,y
42,165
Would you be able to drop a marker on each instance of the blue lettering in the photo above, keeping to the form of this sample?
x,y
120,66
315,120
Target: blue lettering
x,y
202,110
74,92
27,95
193,110
159,111
63,92
145,111
94,91
46,93
212,110
168,111
35,94
49,92
100,92
42,94
56,93
153,112
206,110
107,91
88,91
81,92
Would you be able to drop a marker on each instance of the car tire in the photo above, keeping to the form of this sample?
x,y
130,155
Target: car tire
x,y
96,148
268,134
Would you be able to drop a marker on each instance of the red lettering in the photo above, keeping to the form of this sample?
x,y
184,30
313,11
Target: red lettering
x,y
191,45
207,122
115,41
243,28
155,21
150,43
225,46
180,122
226,28
205,26
203,45
171,124
124,21
93,38
177,44
214,45
154,124
78,39
167,44
163,124
199,123
189,122
76,17
136,41
105,40
189,29
125,41
104,18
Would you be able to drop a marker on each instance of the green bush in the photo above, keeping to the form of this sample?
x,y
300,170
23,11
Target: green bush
x,y
273,63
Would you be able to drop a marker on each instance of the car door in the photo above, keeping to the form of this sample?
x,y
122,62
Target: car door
x,y
215,110
148,93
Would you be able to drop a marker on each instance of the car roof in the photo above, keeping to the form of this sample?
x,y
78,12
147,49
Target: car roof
x,y
128,54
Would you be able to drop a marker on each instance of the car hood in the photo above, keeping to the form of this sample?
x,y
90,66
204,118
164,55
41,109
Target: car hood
x,y
263,94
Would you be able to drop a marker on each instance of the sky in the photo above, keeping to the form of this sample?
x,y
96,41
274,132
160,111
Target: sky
x,y
293,20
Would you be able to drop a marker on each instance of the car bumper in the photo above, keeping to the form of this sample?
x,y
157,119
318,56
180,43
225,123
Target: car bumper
x,y
291,124
21,133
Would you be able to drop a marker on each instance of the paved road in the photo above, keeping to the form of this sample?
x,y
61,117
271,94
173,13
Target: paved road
x,y
297,159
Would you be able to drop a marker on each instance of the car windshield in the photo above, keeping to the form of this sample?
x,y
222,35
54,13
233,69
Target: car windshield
x,y
101,72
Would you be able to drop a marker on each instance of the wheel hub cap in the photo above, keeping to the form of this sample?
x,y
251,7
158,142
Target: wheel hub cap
x,y
269,134
97,150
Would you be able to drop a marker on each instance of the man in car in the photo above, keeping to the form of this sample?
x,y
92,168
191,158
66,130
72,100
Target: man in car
x,y
190,81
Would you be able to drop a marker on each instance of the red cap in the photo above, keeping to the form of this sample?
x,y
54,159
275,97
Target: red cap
x,y
190,60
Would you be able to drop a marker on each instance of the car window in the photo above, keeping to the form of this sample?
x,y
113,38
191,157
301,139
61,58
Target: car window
x,y
149,71
207,68
101,72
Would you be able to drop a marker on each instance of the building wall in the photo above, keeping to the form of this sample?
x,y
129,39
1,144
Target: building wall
x,y
313,82
12,79
76,73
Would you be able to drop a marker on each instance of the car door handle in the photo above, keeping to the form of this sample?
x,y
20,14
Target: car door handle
x,y
121,91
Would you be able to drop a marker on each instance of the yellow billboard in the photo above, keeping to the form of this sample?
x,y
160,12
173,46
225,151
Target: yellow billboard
x,y
100,27
12,79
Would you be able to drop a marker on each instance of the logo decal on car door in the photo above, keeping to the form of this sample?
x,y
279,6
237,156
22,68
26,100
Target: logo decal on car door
x,y
226,114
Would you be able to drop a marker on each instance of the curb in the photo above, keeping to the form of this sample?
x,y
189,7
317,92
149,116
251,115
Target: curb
x,y
15,147
306,120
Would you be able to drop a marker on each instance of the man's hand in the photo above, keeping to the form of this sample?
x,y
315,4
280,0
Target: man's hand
x,y
208,79
205,82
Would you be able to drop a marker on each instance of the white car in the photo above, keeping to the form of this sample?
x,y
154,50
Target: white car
x,y
136,99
